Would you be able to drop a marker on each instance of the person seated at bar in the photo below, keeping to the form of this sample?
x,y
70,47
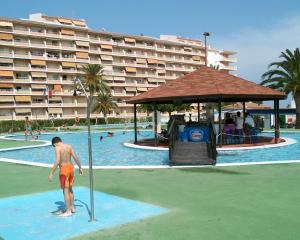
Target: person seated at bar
x,y
239,132
249,128
229,129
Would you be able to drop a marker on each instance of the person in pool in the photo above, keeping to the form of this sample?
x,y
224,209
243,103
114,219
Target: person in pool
x,y
63,153
110,134
28,128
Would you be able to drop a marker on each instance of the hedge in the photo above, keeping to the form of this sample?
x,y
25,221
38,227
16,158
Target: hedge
x,y
19,125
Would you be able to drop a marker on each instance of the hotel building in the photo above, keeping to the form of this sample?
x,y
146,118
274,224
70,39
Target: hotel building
x,y
41,56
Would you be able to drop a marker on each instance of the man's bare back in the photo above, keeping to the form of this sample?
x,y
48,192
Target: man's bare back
x,y
63,154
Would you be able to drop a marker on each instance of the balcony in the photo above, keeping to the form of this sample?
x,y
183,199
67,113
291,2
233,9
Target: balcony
x,y
22,92
51,46
81,105
37,56
56,81
38,93
53,35
69,104
6,68
6,117
95,61
53,57
69,37
228,59
38,33
55,104
6,54
69,70
22,80
21,43
71,58
6,43
94,40
95,51
67,93
68,47
82,38
37,45
54,69
6,92
21,55
230,68
21,68
23,32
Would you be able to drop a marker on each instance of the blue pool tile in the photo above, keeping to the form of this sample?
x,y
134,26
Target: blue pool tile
x,y
31,216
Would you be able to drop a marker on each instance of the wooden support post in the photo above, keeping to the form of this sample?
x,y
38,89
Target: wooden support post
x,y
276,110
135,123
198,112
244,112
220,123
155,124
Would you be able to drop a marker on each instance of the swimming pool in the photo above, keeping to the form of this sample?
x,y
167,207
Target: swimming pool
x,y
111,152
108,152
289,152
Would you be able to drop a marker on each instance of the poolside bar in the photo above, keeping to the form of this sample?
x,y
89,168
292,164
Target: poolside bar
x,y
208,85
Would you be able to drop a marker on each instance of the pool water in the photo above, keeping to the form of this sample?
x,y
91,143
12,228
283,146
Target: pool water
x,y
289,152
108,152
111,152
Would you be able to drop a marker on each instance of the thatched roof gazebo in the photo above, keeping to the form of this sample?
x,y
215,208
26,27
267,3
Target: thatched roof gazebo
x,y
210,85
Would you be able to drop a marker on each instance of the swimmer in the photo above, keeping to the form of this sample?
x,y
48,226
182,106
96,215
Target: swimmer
x,y
63,153
101,138
110,134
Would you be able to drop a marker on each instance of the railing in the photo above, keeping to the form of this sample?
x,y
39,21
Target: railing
x,y
172,135
211,143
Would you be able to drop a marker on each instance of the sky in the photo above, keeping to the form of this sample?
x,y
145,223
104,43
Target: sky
x,y
257,30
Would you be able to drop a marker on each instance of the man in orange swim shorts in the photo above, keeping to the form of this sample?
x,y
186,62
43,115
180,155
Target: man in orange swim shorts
x,y
63,153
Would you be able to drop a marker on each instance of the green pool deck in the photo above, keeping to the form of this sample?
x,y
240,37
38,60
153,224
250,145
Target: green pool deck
x,y
4,144
213,203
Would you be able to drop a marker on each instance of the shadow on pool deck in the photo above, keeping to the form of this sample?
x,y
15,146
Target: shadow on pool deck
x,y
62,207
213,170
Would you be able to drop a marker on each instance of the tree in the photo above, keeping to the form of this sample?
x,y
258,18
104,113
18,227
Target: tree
x,y
93,82
104,104
169,108
286,77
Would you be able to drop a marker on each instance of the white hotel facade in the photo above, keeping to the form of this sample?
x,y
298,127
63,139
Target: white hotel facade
x,y
41,56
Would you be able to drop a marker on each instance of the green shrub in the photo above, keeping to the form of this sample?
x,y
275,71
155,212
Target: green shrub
x,y
19,125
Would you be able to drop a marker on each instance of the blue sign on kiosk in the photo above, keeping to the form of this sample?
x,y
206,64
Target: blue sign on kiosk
x,y
194,134
198,134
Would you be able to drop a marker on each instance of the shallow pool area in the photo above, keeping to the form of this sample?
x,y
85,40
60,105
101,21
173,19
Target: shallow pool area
x,y
289,152
108,152
111,151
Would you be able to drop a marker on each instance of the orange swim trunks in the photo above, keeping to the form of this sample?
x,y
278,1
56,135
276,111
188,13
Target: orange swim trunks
x,y
66,175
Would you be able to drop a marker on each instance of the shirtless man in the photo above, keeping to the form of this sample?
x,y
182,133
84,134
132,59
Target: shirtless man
x,y
63,154
28,128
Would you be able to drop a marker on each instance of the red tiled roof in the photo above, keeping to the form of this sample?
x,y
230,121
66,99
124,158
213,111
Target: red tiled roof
x,y
207,84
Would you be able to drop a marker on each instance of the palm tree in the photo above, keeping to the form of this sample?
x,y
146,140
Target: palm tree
x,y
105,104
286,77
93,82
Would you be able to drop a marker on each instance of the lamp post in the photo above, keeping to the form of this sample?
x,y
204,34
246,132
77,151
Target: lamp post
x,y
92,213
208,106
205,34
